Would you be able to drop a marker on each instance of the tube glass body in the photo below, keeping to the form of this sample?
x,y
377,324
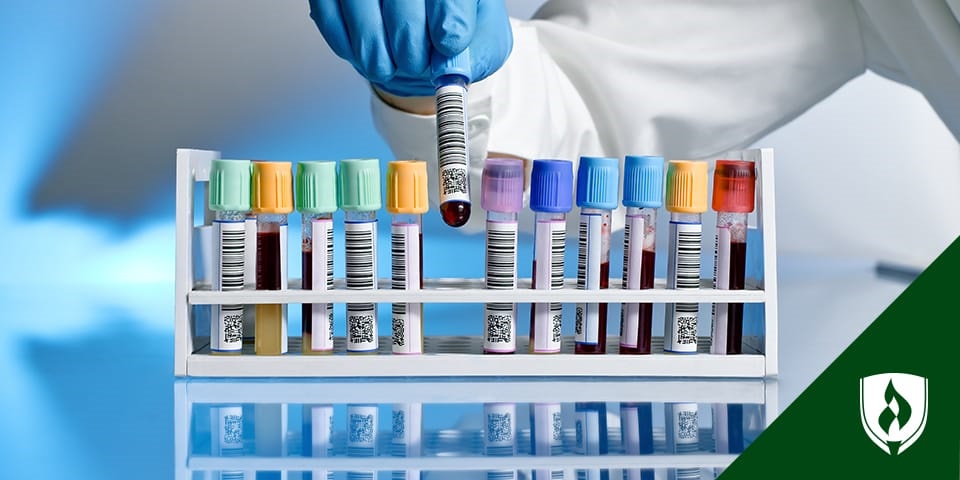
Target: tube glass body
x,y
591,422
546,436
636,426
683,273
406,250
271,319
593,273
226,333
546,319
682,436
226,427
317,439
729,273
453,149
500,319
639,259
727,429
500,436
360,244
362,441
406,438
317,266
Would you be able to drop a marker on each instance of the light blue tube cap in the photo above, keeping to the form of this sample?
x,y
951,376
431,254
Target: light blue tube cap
x,y
643,181
598,183
459,64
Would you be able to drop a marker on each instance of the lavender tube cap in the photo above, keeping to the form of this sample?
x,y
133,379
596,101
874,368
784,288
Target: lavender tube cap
x,y
501,186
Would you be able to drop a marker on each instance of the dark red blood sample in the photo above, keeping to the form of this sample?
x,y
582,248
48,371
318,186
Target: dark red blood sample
x,y
645,317
601,346
268,261
455,212
307,284
738,263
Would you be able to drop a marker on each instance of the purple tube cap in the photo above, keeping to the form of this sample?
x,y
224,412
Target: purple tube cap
x,y
501,186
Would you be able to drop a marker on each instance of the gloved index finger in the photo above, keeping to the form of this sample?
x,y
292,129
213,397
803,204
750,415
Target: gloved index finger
x,y
451,24
326,14
405,23
368,39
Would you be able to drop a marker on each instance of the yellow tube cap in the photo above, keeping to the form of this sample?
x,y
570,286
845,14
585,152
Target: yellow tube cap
x,y
407,187
272,187
686,186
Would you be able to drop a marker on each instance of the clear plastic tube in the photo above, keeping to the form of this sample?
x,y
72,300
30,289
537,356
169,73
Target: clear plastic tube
x,y
546,436
360,244
317,266
639,260
452,149
636,427
729,273
500,436
683,273
546,319
593,273
317,438
407,268
591,422
500,319
226,333
406,439
271,319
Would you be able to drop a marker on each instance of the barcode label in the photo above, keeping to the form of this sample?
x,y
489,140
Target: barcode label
x,y
321,317
501,274
500,327
634,235
546,431
548,275
405,264
321,430
687,427
229,430
500,428
360,243
587,432
226,335
407,423
721,281
452,143
593,246
361,430
683,273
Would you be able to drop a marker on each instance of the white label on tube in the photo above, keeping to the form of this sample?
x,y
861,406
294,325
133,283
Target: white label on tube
x,y
226,332
680,333
361,430
452,143
548,318
405,263
684,435
229,430
547,432
721,279
250,272
589,260
321,435
360,243
321,318
500,429
407,423
500,322
634,234
630,429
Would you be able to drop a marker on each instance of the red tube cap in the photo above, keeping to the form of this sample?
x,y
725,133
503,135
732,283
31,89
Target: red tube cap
x,y
734,184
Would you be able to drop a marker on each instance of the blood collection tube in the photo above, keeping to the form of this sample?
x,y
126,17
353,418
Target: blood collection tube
x,y
229,198
642,195
317,437
636,427
686,200
598,183
316,198
226,427
501,195
362,437
500,436
271,436
546,436
592,436
734,184
727,429
451,76
407,202
551,197
272,201
682,435
407,436
360,199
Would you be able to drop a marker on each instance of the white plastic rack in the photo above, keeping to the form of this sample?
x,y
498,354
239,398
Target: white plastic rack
x,y
460,356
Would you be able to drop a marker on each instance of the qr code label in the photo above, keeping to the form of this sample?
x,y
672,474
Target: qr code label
x,y
454,180
232,325
499,428
399,430
399,332
499,327
361,429
232,430
578,324
557,324
361,330
686,329
687,425
557,427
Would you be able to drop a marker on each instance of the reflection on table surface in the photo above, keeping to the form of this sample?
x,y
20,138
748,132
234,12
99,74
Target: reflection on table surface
x,y
490,428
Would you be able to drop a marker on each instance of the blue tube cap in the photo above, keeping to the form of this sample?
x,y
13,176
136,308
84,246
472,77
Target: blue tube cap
x,y
458,64
598,183
551,186
643,181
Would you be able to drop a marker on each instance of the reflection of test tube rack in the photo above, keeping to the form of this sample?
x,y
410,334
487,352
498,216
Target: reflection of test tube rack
x,y
535,431
194,296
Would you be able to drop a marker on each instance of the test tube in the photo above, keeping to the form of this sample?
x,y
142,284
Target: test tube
x,y
451,76
317,437
270,436
407,424
407,202
734,184
551,197
500,436
226,426
360,199
598,185
316,198
546,436
501,195
229,198
636,427
682,436
592,436
362,437
642,195
686,200
727,429
272,201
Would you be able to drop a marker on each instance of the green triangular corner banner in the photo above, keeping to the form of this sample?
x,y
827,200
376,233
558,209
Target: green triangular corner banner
x,y
822,433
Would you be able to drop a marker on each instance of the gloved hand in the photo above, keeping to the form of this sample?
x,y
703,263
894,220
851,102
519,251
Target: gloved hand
x,y
389,42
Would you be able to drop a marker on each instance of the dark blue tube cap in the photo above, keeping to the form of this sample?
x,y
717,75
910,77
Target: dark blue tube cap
x,y
551,186
643,181
598,183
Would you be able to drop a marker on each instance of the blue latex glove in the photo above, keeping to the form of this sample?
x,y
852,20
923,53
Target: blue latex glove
x,y
389,42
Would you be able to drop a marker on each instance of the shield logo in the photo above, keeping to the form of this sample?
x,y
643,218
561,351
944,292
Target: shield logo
x,y
893,409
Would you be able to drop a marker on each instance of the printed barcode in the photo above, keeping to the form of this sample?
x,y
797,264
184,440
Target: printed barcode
x,y
451,128
229,318
398,259
399,332
232,318
361,323
360,246
499,323
582,256
499,428
231,257
330,261
687,428
501,256
688,259
686,315
626,254
558,237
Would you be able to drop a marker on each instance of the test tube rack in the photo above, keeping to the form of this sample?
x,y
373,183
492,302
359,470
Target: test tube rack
x,y
456,449
458,356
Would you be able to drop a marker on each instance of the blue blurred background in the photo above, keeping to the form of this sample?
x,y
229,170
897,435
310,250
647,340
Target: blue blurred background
x,y
96,96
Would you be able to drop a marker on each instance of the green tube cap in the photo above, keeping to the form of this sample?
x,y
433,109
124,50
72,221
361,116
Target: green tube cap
x,y
316,187
360,185
230,185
